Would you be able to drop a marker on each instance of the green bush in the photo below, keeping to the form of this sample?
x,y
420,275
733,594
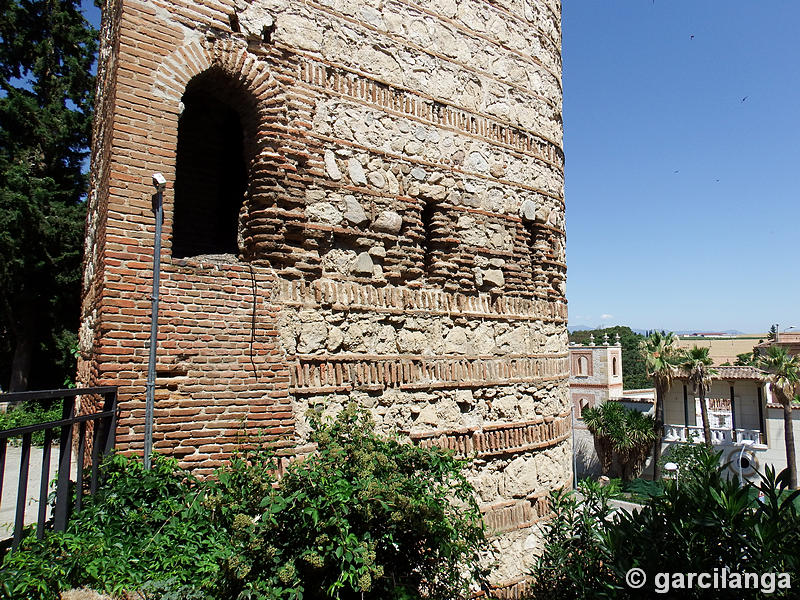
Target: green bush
x,y
362,518
575,564
140,526
31,413
692,460
707,522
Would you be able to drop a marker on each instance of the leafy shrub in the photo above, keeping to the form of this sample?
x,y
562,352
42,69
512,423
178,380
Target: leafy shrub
x,y
575,563
707,522
31,413
139,526
362,518
692,460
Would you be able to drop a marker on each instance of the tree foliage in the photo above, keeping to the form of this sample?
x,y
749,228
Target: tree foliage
x,y
660,356
703,523
621,433
46,57
782,371
634,374
696,364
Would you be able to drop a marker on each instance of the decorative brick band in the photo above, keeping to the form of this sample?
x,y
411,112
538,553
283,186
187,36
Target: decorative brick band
x,y
323,374
356,296
595,386
515,589
365,89
500,438
515,514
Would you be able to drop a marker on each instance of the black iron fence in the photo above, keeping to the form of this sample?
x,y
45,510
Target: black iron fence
x,y
95,432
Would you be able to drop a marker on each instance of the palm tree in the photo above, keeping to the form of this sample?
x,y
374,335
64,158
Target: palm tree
x,y
634,447
696,363
603,422
783,374
623,431
659,354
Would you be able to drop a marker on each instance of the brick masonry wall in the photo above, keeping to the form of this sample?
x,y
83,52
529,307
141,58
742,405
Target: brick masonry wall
x,y
400,240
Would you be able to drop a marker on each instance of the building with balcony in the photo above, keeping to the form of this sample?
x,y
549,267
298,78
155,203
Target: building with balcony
x,y
745,420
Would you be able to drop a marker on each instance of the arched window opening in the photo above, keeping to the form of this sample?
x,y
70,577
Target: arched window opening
x,y
583,365
583,406
614,366
211,174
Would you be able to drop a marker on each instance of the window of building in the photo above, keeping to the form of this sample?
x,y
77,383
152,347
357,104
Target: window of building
x,y
614,366
584,405
583,366
211,173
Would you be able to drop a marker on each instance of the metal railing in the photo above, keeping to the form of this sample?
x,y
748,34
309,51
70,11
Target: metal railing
x,y
102,426
720,436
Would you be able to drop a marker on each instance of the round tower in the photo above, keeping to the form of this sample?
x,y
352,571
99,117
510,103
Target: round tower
x,y
364,203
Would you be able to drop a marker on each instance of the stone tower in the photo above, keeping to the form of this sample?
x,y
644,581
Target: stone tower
x,y
364,203
595,374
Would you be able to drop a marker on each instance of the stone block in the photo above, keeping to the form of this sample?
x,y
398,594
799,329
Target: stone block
x,y
388,222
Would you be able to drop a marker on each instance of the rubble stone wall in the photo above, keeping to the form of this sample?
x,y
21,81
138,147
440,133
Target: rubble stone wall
x,y
400,238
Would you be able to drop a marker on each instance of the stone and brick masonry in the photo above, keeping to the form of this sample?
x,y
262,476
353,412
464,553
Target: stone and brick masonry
x,y
364,203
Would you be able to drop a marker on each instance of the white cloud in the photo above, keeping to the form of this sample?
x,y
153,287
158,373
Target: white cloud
x,y
606,317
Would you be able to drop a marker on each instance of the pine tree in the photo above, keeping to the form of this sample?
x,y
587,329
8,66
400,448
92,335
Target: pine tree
x,y
47,52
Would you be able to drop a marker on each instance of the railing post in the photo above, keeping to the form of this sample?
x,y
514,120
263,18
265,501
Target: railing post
x,y
111,402
2,465
64,460
44,483
22,490
79,467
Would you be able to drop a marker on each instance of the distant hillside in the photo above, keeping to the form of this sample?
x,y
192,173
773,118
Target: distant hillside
x,y
572,328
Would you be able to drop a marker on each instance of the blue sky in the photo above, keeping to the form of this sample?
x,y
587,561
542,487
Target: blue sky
x,y
683,163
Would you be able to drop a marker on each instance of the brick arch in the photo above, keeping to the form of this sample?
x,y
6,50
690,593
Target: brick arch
x,y
261,100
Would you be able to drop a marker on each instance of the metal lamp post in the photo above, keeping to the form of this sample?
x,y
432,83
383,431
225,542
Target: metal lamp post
x,y
159,182
671,472
745,444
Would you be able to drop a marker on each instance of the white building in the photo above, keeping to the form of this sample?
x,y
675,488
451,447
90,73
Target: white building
x,y
744,419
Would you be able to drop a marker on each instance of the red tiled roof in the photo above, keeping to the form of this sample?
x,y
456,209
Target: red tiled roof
x,y
732,373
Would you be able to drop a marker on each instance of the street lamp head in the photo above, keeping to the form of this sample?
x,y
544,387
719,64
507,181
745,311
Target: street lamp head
x,y
159,181
671,467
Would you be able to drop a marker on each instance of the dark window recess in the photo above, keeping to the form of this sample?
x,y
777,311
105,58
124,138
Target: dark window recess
x,y
428,211
211,178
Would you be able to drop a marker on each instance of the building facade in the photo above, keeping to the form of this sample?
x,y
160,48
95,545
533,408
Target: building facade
x,y
747,425
595,374
364,203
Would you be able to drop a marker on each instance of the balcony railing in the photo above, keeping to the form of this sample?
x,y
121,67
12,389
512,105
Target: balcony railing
x,y
719,436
